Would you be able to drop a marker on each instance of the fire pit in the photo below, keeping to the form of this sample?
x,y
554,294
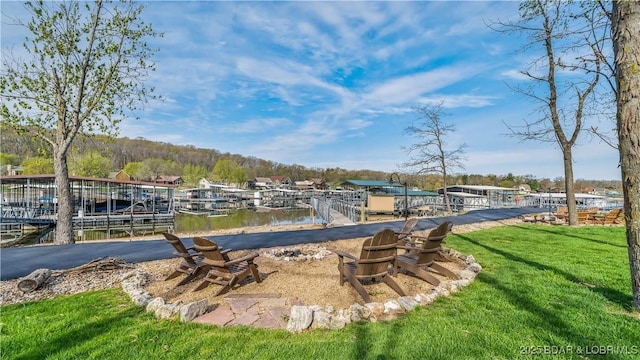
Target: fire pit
x,y
300,254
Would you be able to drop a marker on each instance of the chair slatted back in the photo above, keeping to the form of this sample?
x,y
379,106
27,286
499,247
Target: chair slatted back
x,y
378,253
181,250
407,228
612,216
433,244
212,254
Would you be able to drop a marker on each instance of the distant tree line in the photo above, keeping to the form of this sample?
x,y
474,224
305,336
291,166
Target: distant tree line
x,y
98,156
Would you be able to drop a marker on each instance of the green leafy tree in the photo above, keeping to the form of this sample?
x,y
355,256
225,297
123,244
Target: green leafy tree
x,y
91,164
84,70
134,169
8,159
191,174
223,171
238,176
37,165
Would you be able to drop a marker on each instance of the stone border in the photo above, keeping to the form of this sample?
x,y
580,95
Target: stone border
x,y
305,317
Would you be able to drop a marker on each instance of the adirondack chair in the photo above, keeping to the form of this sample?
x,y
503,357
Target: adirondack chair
x,y
421,258
562,213
377,256
584,217
407,228
610,218
221,269
191,264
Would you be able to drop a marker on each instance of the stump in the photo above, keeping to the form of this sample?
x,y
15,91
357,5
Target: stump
x,y
34,280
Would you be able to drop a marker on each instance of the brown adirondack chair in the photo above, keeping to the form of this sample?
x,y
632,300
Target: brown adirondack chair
x,y
378,255
221,269
421,258
584,217
562,213
610,218
407,228
191,264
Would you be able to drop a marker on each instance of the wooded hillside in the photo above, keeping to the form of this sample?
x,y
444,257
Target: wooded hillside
x,y
122,151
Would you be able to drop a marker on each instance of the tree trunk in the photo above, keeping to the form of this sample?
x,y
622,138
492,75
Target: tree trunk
x,y
64,223
626,46
444,192
570,193
34,280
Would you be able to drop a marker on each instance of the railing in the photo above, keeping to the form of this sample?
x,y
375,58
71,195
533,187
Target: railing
x,y
322,207
349,209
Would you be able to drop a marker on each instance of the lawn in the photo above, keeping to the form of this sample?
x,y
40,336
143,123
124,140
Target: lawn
x,y
544,292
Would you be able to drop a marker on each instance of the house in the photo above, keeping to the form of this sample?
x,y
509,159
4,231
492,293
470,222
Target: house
x,y
122,175
12,170
168,180
524,189
282,181
304,185
319,184
260,183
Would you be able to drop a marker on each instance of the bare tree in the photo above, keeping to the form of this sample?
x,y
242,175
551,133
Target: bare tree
x,y
87,65
626,46
430,152
563,78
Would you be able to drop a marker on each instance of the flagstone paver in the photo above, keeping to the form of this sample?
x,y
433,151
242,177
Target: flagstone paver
x,y
269,311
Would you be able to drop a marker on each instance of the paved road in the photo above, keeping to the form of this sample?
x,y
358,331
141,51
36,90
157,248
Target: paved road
x,y
21,261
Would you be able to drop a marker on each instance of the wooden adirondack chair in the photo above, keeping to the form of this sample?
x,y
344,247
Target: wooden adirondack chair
x,y
191,264
584,217
610,218
223,270
407,228
420,258
562,213
377,256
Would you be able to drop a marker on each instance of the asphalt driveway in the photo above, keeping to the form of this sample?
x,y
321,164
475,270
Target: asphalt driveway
x,y
21,261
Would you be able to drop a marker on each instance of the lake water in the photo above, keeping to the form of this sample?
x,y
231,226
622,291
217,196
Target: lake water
x,y
244,218
203,223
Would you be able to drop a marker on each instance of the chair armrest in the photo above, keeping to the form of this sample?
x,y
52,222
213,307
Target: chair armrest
x,y
344,254
408,248
248,257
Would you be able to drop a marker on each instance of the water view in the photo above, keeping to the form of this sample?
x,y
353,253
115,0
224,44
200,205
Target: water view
x,y
188,223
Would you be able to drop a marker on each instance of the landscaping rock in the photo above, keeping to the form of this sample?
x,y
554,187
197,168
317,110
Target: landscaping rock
x,y
300,318
192,310
167,311
408,303
377,310
359,312
155,304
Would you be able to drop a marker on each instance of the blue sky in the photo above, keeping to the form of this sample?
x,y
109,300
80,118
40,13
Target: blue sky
x,y
332,84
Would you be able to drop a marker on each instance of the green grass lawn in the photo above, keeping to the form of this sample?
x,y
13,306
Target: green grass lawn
x,y
555,291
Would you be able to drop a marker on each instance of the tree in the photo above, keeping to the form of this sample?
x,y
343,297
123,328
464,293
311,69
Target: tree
x,y
238,176
87,65
431,154
563,78
134,169
191,174
223,171
154,167
626,47
37,165
92,164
